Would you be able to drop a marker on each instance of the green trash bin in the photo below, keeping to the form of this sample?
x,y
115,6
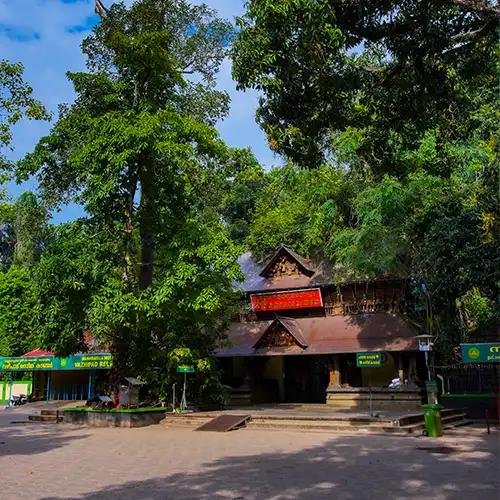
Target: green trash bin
x,y
432,417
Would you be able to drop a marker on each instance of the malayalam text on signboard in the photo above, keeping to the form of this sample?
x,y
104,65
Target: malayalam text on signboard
x,y
369,359
280,301
102,361
481,353
27,364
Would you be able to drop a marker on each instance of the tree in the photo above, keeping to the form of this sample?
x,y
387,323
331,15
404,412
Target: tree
x,y
245,181
18,311
16,102
23,231
301,208
373,76
138,150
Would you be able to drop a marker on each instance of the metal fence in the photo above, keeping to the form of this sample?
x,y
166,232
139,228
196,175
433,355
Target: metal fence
x,y
471,378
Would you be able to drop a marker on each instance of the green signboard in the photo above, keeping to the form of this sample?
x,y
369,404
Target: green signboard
x,y
39,363
185,369
369,359
481,353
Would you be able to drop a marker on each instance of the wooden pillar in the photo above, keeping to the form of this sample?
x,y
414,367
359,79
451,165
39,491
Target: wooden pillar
x,y
335,372
401,373
412,367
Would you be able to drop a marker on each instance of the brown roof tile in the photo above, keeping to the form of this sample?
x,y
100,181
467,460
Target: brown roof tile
x,y
327,335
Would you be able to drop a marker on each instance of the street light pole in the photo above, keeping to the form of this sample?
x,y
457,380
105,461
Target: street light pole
x,y
425,346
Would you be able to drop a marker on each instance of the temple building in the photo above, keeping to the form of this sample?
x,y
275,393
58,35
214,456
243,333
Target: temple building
x,y
299,334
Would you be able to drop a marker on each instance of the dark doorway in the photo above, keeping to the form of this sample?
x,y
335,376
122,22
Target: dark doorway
x,y
306,379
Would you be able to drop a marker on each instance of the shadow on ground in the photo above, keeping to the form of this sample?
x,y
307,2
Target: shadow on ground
x,y
347,467
32,438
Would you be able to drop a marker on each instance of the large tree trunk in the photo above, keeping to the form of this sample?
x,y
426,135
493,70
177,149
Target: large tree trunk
x,y
147,228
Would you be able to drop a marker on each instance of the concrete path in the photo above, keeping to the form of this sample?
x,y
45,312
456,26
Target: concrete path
x,y
59,461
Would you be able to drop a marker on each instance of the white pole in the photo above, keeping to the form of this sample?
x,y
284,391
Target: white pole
x,y
183,402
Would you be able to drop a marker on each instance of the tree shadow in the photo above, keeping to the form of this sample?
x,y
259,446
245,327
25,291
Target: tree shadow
x,y
347,467
33,438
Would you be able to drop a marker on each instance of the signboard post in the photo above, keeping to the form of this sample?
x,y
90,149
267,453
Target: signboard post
x,y
184,369
369,360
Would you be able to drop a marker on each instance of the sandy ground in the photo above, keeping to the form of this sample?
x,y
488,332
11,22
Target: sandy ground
x,y
55,461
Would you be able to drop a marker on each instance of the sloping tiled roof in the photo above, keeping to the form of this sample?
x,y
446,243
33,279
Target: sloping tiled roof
x,y
254,281
37,352
327,335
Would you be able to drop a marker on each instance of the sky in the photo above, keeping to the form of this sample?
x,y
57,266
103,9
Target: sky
x,y
45,36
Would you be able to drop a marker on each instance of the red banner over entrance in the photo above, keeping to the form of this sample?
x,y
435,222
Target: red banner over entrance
x,y
280,301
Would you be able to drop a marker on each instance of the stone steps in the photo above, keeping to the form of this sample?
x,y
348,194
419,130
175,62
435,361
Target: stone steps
x,y
284,422
47,416
407,425
449,420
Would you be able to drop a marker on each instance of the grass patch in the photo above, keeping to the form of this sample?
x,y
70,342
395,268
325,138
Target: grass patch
x,y
470,395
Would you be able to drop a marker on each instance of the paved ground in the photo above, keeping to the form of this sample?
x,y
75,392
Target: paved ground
x,y
62,461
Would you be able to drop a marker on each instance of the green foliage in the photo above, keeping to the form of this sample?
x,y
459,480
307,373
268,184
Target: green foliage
x,y
18,310
373,78
475,309
23,231
150,269
16,103
246,180
401,98
77,261
301,208
23,234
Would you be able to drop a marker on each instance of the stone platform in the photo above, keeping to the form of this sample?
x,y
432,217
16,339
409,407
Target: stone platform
x,y
114,418
319,418
382,399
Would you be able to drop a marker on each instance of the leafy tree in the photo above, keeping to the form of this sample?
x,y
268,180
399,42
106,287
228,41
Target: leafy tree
x,y
77,261
301,208
18,307
367,78
16,102
23,231
138,150
246,180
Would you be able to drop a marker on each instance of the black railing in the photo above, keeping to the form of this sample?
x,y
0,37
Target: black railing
x,y
473,378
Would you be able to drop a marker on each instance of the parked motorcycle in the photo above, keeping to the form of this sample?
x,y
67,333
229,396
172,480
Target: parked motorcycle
x,y
18,400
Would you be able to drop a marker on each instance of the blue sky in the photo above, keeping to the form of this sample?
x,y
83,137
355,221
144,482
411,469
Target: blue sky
x,y
45,35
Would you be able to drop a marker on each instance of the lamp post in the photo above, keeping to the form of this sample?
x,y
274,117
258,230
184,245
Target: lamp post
x,y
425,345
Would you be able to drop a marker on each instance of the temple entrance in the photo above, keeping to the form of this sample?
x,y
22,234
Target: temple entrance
x,y
306,379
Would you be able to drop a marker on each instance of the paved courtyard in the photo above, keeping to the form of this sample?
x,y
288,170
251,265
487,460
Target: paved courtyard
x,y
48,461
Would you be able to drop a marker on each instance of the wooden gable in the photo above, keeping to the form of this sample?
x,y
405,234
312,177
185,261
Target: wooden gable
x,y
281,333
286,263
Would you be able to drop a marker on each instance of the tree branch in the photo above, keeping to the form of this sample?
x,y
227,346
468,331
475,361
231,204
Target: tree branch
x,y
478,6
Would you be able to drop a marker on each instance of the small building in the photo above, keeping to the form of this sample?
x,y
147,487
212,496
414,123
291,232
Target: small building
x,y
72,378
297,338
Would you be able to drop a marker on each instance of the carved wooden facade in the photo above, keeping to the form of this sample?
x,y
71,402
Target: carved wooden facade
x,y
276,336
288,271
283,267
